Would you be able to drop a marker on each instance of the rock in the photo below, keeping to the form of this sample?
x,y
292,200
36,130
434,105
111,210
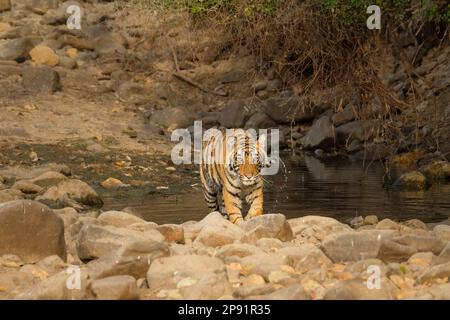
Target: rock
x,y
192,228
370,220
263,94
234,114
219,235
439,271
442,232
12,282
274,85
172,232
253,280
269,244
97,148
95,241
134,93
5,27
357,289
166,272
281,277
361,268
5,5
391,251
109,44
11,261
61,286
361,130
17,49
423,259
422,243
254,290
411,181
72,189
210,287
321,134
52,264
132,258
356,222
119,219
260,85
440,291
316,228
112,183
55,17
30,230
115,288
387,224
42,6
291,292
237,250
415,224
233,76
172,118
260,120
348,114
27,187
268,226
10,70
10,195
180,249
42,54
289,109
264,264
67,62
354,246
437,170
42,79
49,178
76,43
305,256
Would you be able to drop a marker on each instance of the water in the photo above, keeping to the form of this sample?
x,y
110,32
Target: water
x,y
308,186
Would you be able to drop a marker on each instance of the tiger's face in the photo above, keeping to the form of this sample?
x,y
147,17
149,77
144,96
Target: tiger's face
x,y
248,162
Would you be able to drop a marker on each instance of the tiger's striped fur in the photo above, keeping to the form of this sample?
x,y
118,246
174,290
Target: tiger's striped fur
x,y
230,167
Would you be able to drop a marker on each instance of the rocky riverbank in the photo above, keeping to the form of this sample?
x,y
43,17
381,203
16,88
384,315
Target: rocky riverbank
x,y
102,102
75,251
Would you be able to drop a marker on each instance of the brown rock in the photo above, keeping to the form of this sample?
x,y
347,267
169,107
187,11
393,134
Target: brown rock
x,y
115,288
95,241
44,55
5,5
42,79
172,232
268,226
73,189
31,230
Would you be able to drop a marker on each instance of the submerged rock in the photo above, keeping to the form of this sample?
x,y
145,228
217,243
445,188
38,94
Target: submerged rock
x,y
412,181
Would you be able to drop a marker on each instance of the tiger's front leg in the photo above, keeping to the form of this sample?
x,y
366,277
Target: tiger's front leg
x,y
255,200
233,206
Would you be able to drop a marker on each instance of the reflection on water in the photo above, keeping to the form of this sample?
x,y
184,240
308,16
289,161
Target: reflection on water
x,y
336,188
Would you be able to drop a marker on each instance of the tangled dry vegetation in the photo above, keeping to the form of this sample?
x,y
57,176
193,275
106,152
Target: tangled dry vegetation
x,y
314,45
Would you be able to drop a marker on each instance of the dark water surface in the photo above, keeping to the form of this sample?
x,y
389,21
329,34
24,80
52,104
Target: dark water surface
x,y
336,188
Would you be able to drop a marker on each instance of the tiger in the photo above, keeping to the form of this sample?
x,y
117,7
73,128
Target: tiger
x,y
230,167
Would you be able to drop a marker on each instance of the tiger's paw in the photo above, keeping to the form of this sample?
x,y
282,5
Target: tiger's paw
x,y
236,218
253,215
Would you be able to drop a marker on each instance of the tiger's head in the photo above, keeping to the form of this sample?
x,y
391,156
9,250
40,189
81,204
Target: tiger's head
x,y
248,159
